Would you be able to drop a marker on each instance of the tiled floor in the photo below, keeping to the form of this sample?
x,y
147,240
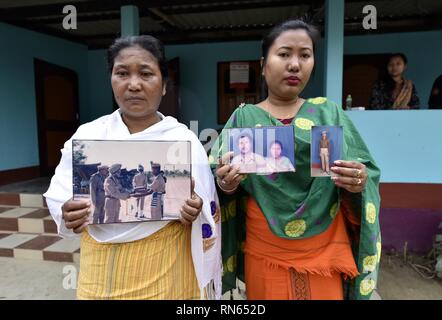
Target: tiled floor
x,y
30,233
31,200
39,247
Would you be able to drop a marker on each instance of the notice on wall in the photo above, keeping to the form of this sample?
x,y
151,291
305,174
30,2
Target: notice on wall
x,y
239,75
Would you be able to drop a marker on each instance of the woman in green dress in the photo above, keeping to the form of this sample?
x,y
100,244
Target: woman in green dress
x,y
289,235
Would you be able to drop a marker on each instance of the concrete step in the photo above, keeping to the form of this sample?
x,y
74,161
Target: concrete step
x,y
22,200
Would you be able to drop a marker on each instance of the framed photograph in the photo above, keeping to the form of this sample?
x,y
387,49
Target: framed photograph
x,y
263,150
132,181
326,148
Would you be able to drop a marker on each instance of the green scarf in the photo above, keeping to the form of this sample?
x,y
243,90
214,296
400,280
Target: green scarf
x,y
296,205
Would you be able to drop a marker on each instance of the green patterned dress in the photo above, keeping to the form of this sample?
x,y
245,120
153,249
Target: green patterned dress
x,y
281,196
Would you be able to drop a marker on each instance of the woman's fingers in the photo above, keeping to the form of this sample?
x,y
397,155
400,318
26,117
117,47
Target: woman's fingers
x,y
195,202
349,164
238,178
349,181
222,171
225,159
72,205
77,214
186,218
190,210
228,178
73,224
350,172
224,165
352,175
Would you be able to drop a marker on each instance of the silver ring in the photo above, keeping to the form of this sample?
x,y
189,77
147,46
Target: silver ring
x,y
359,182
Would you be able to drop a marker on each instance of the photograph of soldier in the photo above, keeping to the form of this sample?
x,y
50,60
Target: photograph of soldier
x,y
262,150
96,187
324,152
326,148
247,160
144,181
139,183
114,192
157,188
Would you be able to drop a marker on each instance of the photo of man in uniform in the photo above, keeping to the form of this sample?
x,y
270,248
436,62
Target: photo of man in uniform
x,y
248,161
114,192
139,183
96,187
157,188
324,152
326,148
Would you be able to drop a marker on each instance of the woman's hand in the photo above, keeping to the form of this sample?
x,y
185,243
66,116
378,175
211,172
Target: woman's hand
x,y
75,214
227,176
192,208
352,175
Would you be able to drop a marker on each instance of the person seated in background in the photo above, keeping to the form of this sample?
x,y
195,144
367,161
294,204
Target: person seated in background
x,y
394,92
435,101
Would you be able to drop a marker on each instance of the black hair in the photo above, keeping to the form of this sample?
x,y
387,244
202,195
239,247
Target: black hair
x,y
277,142
295,24
276,31
146,42
244,135
398,54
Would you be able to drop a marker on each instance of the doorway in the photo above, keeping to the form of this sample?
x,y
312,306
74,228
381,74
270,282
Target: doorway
x,y
56,91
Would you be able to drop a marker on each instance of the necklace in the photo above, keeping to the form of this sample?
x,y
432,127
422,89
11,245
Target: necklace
x,y
285,117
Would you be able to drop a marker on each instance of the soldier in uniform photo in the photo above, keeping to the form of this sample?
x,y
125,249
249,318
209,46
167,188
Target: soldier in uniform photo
x,y
114,192
139,183
157,188
248,161
324,152
96,187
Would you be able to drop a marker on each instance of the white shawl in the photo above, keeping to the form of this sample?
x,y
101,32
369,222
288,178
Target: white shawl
x,y
208,264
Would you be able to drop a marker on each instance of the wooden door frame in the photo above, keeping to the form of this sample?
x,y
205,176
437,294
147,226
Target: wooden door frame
x,y
40,68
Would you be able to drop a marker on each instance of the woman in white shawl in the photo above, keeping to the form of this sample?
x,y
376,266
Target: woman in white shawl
x,y
149,260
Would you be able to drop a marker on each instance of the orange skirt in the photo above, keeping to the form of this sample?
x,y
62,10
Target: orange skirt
x,y
311,268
